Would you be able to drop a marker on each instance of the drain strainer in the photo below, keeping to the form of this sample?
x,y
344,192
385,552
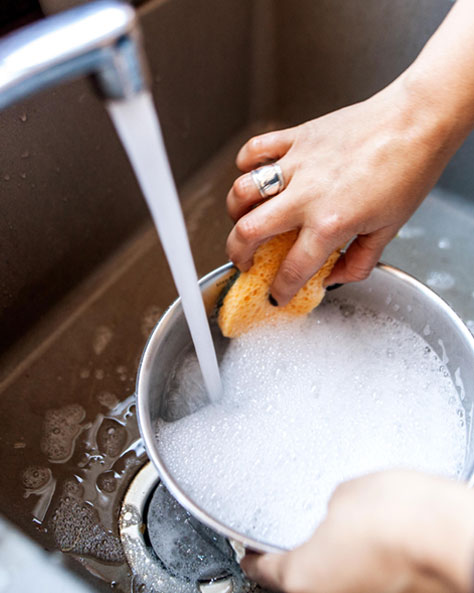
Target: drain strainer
x,y
167,550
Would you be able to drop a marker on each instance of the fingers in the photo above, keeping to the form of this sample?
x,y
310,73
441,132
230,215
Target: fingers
x,y
304,259
361,257
310,251
244,194
267,570
269,219
264,148
313,566
242,197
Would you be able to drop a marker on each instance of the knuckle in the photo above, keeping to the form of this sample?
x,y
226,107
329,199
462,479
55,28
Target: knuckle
x,y
246,230
291,273
331,227
341,493
254,144
241,186
358,273
232,250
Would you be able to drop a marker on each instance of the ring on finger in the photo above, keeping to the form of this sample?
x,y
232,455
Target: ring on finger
x,y
268,180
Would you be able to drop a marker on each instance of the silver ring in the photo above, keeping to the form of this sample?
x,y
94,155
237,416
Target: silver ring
x,y
268,180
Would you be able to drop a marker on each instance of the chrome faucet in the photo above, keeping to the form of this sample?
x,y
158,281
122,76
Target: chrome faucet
x,y
101,39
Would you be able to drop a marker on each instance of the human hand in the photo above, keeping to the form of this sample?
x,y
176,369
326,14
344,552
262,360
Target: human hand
x,y
358,173
391,532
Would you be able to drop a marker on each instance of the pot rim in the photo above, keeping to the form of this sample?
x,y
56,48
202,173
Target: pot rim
x,y
147,431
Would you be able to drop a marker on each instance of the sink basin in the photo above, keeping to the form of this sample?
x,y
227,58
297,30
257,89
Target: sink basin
x,y
437,245
83,277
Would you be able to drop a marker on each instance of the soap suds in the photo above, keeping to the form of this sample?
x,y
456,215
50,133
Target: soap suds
x,y
309,404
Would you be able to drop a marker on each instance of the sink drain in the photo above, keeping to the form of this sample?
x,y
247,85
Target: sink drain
x,y
167,550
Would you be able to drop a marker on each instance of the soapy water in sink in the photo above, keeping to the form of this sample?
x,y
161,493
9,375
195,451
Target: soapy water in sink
x,y
307,405
137,125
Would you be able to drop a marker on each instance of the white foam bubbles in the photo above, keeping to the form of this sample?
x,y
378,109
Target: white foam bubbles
x,y
307,405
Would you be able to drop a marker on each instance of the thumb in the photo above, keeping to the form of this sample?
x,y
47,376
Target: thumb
x,y
266,569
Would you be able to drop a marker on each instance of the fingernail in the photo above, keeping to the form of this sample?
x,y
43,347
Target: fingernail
x,y
334,286
272,300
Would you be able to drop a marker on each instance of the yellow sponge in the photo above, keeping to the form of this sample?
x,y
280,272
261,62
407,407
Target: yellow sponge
x,y
246,304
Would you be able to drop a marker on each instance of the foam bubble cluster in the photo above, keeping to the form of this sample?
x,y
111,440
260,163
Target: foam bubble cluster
x,y
77,528
61,427
309,404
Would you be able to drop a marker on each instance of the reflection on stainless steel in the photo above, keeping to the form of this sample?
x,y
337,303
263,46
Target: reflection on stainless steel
x,y
100,38
388,290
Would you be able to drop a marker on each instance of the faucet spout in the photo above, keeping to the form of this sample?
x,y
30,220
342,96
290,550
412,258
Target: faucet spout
x,y
101,39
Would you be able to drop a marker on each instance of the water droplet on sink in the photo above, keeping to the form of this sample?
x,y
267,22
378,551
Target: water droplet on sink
x,y
444,243
84,373
440,280
410,232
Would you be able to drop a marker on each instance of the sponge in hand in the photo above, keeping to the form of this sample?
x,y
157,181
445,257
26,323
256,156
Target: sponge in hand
x,y
246,304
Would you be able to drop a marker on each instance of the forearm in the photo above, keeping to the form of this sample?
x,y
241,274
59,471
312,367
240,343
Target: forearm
x,y
356,175
440,83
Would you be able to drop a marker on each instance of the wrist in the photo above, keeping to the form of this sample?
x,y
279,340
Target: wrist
x,y
442,114
431,120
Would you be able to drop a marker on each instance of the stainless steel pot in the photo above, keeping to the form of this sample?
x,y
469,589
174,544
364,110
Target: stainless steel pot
x,y
387,290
